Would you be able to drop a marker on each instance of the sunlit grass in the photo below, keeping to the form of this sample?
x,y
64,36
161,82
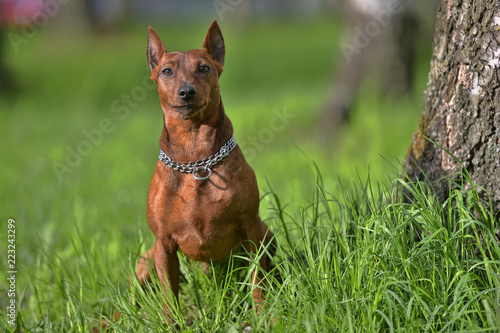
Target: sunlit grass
x,y
359,261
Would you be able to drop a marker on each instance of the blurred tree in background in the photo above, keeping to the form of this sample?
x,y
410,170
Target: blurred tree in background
x,y
381,37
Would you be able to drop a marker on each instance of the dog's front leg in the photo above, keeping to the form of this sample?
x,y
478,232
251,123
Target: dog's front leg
x,y
261,235
167,268
257,277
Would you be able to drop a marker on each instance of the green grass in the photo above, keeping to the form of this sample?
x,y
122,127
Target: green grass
x,y
356,265
348,264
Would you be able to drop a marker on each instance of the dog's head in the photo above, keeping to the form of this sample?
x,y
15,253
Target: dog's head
x,y
188,82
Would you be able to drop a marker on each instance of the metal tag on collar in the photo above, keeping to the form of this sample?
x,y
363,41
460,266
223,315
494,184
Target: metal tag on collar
x,y
206,168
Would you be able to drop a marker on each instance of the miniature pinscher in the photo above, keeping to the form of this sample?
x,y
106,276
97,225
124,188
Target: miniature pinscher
x,y
203,198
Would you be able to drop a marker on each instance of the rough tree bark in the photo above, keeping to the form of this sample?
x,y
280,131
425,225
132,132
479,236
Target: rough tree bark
x,y
462,99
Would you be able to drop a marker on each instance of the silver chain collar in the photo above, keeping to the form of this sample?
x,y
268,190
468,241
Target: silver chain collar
x,y
204,164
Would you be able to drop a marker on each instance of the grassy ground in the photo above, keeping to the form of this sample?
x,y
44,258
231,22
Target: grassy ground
x,y
357,266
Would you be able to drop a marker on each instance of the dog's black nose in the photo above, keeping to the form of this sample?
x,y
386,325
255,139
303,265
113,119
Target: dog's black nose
x,y
186,91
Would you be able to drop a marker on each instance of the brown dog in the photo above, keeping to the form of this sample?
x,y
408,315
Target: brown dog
x,y
203,197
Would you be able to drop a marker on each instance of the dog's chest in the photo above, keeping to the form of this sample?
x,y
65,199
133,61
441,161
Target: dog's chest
x,y
219,198
205,218
214,218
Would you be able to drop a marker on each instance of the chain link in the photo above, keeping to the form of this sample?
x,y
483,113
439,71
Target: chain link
x,y
205,164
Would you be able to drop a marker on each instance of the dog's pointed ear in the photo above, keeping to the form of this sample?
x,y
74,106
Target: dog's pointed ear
x,y
156,49
214,43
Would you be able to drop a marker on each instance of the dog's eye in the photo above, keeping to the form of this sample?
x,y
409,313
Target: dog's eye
x,y
168,72
203,69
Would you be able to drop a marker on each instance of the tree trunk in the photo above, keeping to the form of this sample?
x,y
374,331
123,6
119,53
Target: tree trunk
x,y
462,100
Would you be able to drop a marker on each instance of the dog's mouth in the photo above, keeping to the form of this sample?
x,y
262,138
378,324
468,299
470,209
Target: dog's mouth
x,y
188,109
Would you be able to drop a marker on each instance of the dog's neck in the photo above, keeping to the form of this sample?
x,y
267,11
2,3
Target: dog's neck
x,y
186,139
